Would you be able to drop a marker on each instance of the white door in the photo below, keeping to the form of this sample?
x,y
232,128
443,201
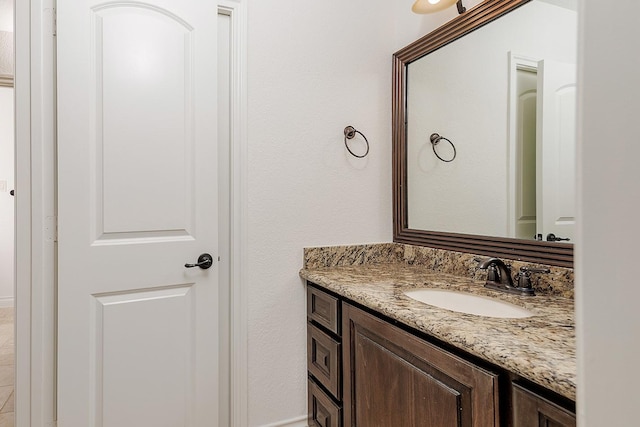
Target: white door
x,y
137,199
556,154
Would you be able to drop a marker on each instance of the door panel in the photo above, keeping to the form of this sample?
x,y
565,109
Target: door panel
x,y
556,148
137,199
133,365
144,63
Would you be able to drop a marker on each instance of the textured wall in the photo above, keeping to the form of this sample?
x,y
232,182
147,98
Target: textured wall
x,y
314,68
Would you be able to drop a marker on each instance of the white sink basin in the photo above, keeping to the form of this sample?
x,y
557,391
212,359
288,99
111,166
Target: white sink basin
x,y
468,303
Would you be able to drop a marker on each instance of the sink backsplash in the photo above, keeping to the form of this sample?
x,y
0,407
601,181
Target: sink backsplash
x,y
559,282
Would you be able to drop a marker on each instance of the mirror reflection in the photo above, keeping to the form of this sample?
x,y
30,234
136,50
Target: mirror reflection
x,y
504,95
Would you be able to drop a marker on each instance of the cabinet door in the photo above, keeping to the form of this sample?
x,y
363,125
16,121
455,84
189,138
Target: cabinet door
x,y
531,410
393,378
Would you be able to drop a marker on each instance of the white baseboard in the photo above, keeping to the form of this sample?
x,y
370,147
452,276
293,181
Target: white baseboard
x,y
293,422
6,302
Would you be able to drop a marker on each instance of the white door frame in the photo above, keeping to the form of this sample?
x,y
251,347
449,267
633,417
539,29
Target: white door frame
x,y
35,246
237,11
35,185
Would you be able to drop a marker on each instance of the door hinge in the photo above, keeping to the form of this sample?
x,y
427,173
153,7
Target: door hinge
x,y
54,22
51,229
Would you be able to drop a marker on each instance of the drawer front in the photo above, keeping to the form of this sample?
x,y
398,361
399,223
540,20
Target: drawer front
x,y
323,309
531,410
323,412
324,359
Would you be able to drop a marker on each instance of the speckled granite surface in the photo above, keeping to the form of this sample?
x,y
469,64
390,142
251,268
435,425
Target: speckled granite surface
x,y
540,348
559,282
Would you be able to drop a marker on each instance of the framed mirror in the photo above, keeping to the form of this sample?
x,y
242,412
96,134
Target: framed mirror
x,y
498,84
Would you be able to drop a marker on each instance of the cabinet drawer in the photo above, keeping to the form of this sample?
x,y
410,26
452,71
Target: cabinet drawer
x,y
532,410
323,412
323,309
324,359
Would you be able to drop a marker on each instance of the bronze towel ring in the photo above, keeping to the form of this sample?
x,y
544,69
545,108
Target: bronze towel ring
x,y
350,133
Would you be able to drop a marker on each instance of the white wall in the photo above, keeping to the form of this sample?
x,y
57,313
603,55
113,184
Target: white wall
x,y
6,201
608,291
314,68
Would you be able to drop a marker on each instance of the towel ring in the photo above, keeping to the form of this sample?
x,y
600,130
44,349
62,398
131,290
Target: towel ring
x,y
350,133
435,139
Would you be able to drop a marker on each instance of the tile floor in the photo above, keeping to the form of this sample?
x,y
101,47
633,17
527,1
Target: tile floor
x,y
7,361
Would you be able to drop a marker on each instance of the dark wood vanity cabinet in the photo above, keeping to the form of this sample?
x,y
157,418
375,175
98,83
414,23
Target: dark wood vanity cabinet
x,y
365,372
533,410
393,378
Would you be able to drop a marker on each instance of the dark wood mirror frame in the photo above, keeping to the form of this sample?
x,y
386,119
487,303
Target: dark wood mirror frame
x,y
559,254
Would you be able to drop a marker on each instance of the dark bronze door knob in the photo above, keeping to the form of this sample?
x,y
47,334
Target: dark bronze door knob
x,y
553,238
204,261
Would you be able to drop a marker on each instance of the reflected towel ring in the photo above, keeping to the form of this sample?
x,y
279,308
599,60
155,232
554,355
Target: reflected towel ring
x,y
350,133
435,139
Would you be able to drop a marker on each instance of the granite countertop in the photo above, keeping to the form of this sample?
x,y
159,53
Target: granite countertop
x,y
540,348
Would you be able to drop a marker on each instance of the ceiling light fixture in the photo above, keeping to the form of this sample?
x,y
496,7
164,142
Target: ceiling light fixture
x,y
431,6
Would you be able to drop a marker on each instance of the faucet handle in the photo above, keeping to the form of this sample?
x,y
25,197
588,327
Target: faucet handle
x,y
523,278
534,270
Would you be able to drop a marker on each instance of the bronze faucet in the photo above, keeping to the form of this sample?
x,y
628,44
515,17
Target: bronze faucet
x,y
499,277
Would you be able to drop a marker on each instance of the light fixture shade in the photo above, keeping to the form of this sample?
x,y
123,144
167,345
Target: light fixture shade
x,y
431,6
